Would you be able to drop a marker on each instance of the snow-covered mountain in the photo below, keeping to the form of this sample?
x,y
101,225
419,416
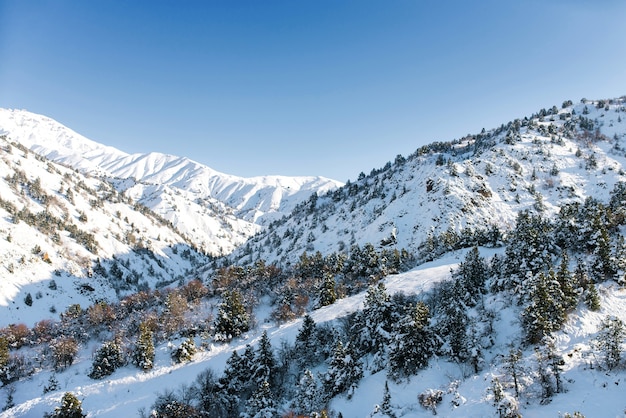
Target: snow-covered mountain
x,y
67,238
445,190
495,344
231,208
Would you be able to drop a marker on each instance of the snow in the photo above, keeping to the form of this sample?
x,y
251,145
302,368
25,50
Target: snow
x,y
223,211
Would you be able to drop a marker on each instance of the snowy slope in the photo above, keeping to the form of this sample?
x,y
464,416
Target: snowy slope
x,y
248,202
537,163
593,392
56,225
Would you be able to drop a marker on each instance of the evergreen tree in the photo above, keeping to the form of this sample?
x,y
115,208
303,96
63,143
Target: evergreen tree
x,y
306,348
71,407
308,397
327,294
261,404
610,339
592,298
235,381
472,274
264,363
514,369
529,251
232,318
411,344
344,371
185,351
545,312
567,284
454,322
107,359
373,325
385,407
143,354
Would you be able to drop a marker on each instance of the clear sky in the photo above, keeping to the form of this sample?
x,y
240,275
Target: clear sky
x,y
319,87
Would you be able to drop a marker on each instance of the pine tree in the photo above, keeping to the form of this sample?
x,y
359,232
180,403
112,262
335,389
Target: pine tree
x,y
306,344
261,404
411,344
232,319
235,381
308,397
472,274
373,325
327,294
544,313
185,351
567,284
107,359
264,363
71,407
385,407
344,371
610,339
143,354
592,298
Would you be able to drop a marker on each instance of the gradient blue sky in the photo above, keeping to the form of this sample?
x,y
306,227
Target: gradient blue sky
x,y
319,87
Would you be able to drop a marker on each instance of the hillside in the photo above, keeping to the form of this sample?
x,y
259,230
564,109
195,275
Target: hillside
x,y
444,190
71,239
479,277
218,211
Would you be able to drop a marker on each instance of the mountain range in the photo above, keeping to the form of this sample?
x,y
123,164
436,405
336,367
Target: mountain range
x,y
84,224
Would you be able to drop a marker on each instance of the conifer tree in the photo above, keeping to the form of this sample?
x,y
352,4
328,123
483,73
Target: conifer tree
x,y
373,325
306,343
107,359
71,407
567,284
232,318
261,404
308,397
472,273
610,339
344,371
327,294
411,344
264,363
592,298
545,312
385,407
143,354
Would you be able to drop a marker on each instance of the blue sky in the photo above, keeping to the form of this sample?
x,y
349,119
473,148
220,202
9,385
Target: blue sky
x,y
319,87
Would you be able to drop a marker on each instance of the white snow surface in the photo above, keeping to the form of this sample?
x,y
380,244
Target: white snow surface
x,y
241,204
593,392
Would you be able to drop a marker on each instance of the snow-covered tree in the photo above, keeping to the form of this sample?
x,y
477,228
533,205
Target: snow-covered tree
x,y
344,372
107,359
306,346
232,318
545,312
264,363
610,340
411,345
143,353
373,325
308,397
185,351
261,404
71,407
